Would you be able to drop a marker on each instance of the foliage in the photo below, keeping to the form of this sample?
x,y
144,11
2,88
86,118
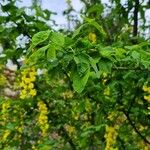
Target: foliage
x,y
18,25
78,92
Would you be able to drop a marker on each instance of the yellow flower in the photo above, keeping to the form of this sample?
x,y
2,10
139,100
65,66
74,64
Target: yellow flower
x,y
43,119
5,106
70,129
146,89
27,80
32,69
111,116
147,98
27,85
22,96
110,136
6,134
20,129
107,91
92,37
22,84
32,78
31,86
2,80
34,148
32,92
31,74
24,92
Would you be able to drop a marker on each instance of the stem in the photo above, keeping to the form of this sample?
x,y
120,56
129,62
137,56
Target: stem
x,y
126,68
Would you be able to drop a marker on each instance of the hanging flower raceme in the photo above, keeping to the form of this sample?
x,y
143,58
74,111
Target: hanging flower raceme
x,y
110,136
42,118
4,118
70,129
27,83
146,89
4,112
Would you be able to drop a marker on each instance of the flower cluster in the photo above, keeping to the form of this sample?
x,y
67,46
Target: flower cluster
x,y
110,136
27,83
147,90
42,118
67,94
4,111
142,146
4,118
5,135
70,129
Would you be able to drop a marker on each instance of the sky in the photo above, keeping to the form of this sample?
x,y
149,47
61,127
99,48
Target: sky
x,y
57,6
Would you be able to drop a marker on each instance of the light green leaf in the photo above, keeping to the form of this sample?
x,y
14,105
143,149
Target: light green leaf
x,y
93,63
145,63
96,9
97,26
57,39
80,82
39,37
51,53
135,55
77,31
105,66
39,54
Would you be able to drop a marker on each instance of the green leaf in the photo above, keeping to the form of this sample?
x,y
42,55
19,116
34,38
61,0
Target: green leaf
x,y
83,63
98,9
10,126
97,26
80,82
107,53
39,38
39,54
145,63
1,29
77,31
51,53
133,47
57,39
93,63
105,66
135,55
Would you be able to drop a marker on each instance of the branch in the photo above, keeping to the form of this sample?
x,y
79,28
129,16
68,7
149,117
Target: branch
x,y
126,68
126,113
135,129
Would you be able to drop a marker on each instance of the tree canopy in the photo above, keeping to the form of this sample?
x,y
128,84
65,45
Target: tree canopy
x,y
86,88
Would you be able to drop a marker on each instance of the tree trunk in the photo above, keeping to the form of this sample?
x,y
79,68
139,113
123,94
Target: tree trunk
x,y
135,18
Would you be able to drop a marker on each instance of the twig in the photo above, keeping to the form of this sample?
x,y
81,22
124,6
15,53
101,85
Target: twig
x,y
135,129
